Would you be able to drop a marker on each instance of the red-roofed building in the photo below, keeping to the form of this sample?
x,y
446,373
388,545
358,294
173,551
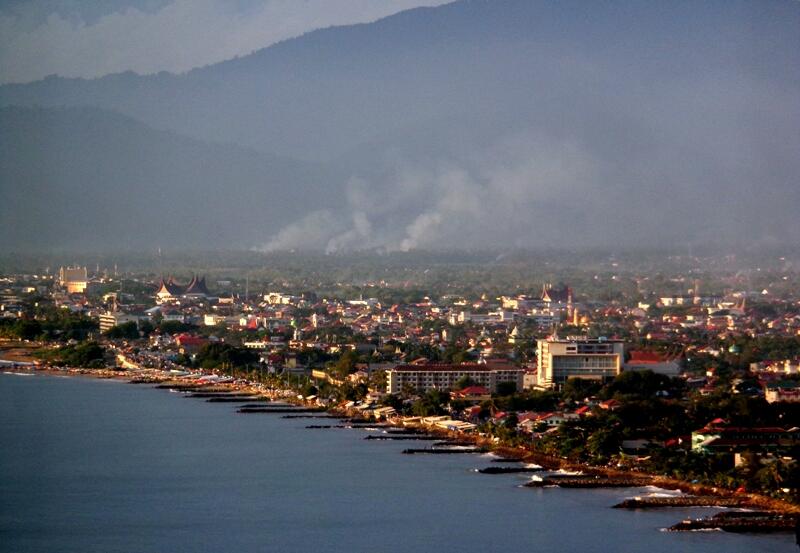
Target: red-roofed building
x,y
189,344
610,405
473,393
645,360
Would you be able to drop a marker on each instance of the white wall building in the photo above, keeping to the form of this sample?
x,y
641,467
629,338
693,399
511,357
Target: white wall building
x,y
578,357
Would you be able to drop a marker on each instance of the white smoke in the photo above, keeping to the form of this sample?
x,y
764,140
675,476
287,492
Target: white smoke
x,y
497,195
307,233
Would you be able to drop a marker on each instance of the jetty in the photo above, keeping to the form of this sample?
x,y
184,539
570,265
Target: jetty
x,y
509,470
237,399
346,426
213,395
311,416
277,409
184,387
148,380
453,443
588,482
740,521
400,438
682,501
443,451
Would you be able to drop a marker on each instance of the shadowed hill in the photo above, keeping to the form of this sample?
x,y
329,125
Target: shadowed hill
x,y
84,178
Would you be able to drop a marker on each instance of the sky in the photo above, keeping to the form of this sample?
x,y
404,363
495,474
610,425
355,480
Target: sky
x,y
88,38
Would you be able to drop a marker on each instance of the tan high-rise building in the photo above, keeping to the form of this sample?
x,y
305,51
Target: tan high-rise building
x,y
577,357
74,279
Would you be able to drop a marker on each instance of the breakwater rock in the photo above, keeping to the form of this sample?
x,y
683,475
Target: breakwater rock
x,y
400,438
740,521
509,470
588,482
451,451
212,395
682,501
272,409
237,399
310,416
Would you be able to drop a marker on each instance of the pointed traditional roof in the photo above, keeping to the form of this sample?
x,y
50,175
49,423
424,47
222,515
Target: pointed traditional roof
x,y
168,287
550,294
197,287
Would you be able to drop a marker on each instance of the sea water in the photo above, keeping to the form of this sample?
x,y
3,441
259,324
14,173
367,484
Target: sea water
x,y
104,466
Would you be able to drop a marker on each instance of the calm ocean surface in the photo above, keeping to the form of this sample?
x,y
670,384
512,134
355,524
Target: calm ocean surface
x,y
100,466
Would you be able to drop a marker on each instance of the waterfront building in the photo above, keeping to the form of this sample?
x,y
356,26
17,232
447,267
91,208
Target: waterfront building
x,y
444,376
577,357
715,437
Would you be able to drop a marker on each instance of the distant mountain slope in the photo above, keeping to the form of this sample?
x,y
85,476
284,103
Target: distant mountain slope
x,y
83,178
330,91
477,124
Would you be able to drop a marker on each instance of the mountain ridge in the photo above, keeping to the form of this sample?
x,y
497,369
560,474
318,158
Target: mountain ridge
x,y
478,123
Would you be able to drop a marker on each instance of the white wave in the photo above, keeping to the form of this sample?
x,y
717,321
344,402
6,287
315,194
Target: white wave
x,y
655,491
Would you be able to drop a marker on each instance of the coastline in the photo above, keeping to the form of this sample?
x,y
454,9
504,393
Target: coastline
x,y
727,498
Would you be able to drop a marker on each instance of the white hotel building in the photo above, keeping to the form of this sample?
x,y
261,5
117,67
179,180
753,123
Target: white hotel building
x,y
577,357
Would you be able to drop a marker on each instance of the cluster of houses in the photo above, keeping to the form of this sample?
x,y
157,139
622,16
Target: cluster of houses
x,y
520,332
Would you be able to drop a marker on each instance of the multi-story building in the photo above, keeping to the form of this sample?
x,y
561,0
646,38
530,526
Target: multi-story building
x,y
785,391
443,376
577,357
114,318
74,279
718,438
